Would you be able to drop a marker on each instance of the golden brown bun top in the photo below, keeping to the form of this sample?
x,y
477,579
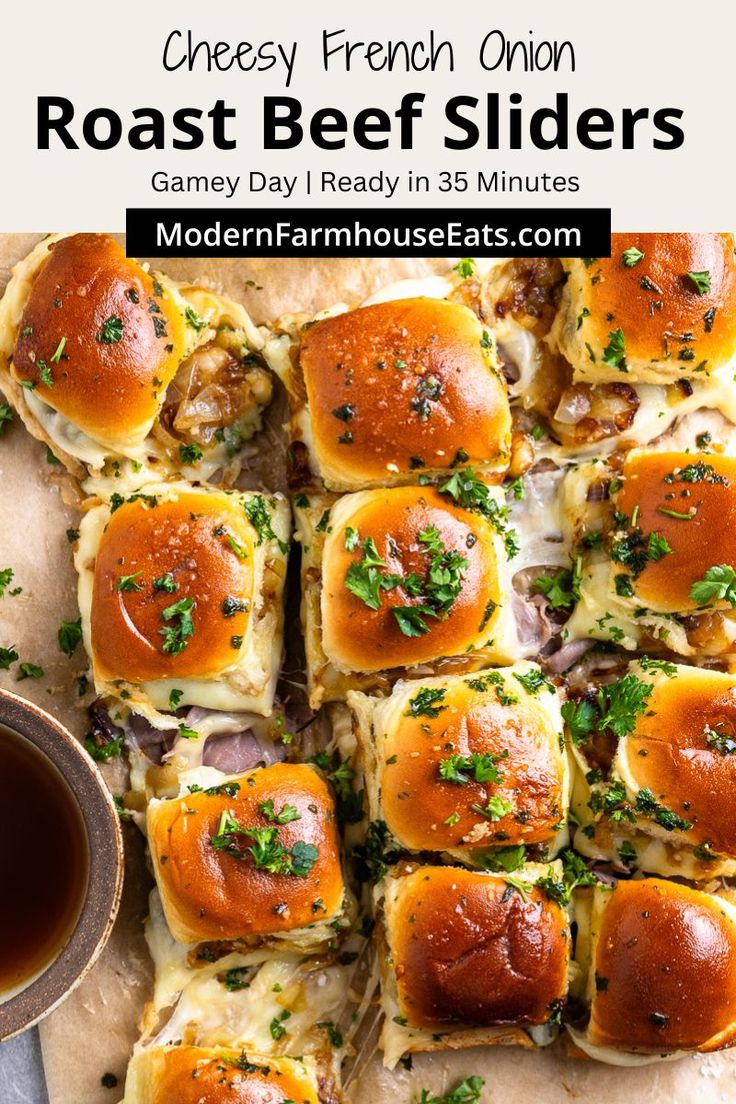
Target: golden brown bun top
x,y
669,753
123,338
410,383
193,1075
655,302
201,540
525,746
654,482
361,638
213,895
469,949
666,969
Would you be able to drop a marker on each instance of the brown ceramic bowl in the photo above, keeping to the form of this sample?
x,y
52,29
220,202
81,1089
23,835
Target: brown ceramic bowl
x,y
100,897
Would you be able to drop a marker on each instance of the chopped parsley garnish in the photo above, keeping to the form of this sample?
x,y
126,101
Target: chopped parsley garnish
x,y
6,417
69,635
193,320
632,256
257,513
467,1092
700,281
492,680
30,670
508,859
111,331
720,741
277,1025
717,585
286,816
190,454
230,606
187,733
352,539
465,267
103,751
131,582
647,804
373,857
614,354
495,808
426,703
341,775
236,978
698,472
176,636
175,698
165,583
8,656
533,680
562,590
575,873
462,769
266,850
6,577
469,491
616,706
45,373
437,591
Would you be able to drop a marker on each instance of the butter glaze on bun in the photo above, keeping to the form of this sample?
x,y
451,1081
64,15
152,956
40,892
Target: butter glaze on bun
x,y
203,1075
665,964
359,638
402,387
99,339
672,323
204,543
406,743
675,751
469,949
703,488
210,894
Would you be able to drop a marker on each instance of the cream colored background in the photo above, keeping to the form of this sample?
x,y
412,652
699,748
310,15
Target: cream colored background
x,y
653,53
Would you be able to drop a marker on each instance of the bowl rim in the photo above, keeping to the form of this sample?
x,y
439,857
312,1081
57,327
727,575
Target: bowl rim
x,y
105,864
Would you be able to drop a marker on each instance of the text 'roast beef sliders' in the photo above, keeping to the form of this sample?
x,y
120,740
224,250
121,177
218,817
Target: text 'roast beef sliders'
x,y
103,360
660,309
180,595
661,966
254,857
678,768
399,577
387,392
467,764
472,959
204,1075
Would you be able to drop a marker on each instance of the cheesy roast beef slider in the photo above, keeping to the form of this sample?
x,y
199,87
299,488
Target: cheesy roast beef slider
x,y
103,359
399,577
204,1075
466,764
678,770
662,572
471,959
180,595
254,857
661,963
389,391
660,309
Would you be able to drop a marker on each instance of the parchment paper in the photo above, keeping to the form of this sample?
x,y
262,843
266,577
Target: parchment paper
x,y
94,1031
